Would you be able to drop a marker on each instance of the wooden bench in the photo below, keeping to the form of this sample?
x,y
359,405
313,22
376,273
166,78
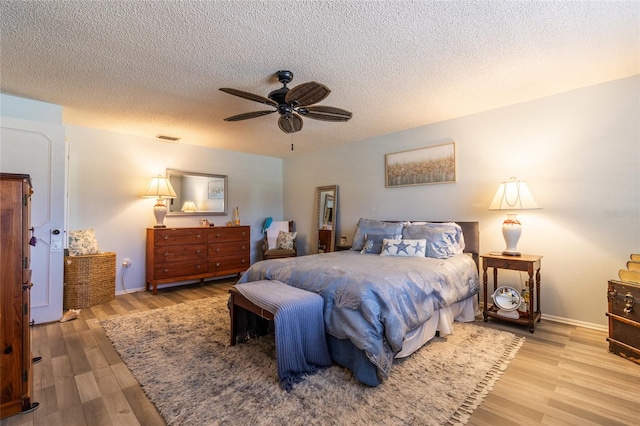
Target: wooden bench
x,y
237,300
301,343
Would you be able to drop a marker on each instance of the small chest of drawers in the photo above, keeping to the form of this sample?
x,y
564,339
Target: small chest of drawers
x,y
184,254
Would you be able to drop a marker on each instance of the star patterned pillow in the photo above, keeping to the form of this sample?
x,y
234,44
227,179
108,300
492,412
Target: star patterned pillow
x,y
373,243
406,248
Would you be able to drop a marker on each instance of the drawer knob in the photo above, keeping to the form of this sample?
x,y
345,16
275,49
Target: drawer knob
x,y
612,293
506,265
198,267
628,300
198,251
165,270
242,261
218,235
217,264
198,236
218,250
165,237
166,254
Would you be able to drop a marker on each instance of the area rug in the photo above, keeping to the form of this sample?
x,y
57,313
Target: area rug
x,y
181,357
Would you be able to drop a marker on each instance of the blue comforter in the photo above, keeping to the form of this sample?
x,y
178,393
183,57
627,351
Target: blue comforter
x,y
374,301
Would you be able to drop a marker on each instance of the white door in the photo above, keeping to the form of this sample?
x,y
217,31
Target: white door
x,y
38,149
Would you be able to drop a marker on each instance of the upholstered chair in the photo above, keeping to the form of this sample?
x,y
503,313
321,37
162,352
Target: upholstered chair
x,y
276,245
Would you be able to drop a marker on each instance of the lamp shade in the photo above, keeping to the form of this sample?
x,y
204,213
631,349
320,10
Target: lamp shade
x,y
189,207
159,187
513,195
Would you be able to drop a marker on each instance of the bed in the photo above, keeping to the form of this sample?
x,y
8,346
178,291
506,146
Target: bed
x,y
384,298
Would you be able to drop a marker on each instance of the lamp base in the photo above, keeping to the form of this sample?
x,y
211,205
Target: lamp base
x,y
159,211
511,230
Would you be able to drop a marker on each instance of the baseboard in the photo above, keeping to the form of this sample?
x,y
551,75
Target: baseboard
x,y
577,323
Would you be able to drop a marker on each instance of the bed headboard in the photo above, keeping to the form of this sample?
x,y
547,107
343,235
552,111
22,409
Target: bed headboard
x,y
471,232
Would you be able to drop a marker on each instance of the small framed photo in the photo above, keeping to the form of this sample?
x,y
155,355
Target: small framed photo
x,y
422,166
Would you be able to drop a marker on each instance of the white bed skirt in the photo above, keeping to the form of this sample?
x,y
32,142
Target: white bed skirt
x,y
441,321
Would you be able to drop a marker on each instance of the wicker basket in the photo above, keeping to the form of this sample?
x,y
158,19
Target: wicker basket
x,y
89,280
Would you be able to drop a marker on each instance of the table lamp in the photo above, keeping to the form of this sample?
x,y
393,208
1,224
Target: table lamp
x,y
159,188
511,196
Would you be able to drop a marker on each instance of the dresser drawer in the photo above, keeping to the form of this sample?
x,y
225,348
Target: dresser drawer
x,y
180,252
230,264
233,248
173,236
505,264
179,269
229,233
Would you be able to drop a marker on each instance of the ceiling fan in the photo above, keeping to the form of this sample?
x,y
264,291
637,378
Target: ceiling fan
x,y
291,104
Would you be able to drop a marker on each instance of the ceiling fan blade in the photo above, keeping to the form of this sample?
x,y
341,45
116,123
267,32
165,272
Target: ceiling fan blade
x,y
307,93
290,124
250,96
325,113
247,115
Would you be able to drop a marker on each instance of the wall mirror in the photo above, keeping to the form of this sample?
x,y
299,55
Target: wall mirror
x,y
200,194
324,229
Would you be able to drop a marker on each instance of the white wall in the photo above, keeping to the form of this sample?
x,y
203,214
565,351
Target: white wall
x,y
579,151
108,172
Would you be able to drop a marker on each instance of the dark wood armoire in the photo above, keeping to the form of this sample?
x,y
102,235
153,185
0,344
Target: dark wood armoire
x,y
15,285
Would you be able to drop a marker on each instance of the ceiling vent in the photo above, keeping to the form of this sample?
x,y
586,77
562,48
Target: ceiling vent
x,y
168,138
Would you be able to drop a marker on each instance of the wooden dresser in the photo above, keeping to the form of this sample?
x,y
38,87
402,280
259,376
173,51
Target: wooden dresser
x,y
15,289
184,254
624,319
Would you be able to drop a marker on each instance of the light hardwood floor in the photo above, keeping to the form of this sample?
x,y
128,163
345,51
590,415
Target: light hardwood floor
x,y
562,375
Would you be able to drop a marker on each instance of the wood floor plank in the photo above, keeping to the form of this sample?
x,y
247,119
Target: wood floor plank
x,y
145,411
97,413
77,357
87,387
123,375
119,409
66,389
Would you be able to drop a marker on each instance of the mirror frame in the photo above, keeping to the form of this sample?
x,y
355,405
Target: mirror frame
x,y
225,197
320,213
507,298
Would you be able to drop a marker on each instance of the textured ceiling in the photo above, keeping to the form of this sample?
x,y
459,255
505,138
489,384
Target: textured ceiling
x,y
154,67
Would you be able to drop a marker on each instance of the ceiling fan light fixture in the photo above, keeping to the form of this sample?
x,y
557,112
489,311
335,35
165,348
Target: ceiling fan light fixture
x,y
291,102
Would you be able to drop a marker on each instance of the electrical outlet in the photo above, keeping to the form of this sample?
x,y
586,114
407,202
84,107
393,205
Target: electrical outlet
x,y
126,262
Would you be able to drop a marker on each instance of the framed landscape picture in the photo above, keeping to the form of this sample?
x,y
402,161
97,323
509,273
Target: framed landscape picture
x,y
422,166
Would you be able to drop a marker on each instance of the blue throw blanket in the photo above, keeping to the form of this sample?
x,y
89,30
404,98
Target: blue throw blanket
x,y
374,301
301,345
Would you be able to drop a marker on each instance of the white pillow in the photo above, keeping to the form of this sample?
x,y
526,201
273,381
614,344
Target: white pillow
x,y
83,242
405,248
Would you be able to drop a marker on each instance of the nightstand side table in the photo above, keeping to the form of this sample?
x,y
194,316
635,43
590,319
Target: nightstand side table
x,y
526,262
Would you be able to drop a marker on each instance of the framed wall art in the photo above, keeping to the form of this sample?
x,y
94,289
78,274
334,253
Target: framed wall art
x,y
421,166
